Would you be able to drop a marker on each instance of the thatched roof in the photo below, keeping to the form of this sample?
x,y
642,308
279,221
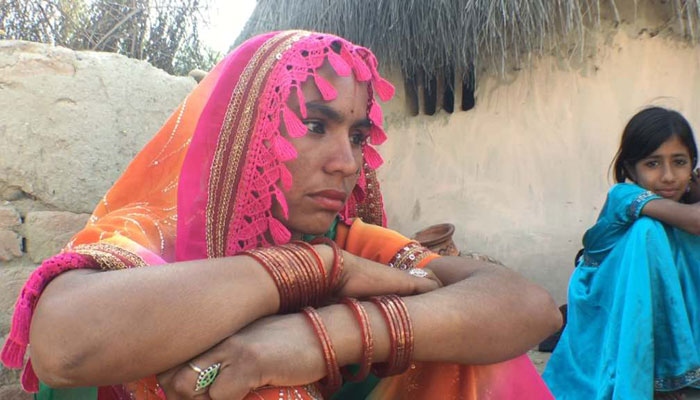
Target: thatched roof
x,y
429,38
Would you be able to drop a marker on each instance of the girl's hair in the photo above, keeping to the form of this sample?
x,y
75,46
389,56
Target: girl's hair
x,y
645,133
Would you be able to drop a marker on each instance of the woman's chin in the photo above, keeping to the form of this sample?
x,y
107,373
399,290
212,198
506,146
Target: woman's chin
x,y
318,227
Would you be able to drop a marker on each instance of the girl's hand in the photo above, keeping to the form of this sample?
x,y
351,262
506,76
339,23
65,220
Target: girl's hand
x,y
362,278
276,350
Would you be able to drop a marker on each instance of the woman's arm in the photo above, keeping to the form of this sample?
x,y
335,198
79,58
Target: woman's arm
x,y
486,314
682,216
95,328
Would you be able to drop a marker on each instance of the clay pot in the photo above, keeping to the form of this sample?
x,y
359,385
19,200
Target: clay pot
x,y
438,238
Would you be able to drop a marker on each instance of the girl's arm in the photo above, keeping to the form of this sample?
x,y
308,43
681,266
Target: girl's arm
x,y
94,328
682,216
485,314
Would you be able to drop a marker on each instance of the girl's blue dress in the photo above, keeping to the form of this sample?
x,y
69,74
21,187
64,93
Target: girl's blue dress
x,y
633,322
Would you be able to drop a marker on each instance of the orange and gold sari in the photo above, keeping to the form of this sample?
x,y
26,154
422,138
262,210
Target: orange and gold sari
x,y
204,186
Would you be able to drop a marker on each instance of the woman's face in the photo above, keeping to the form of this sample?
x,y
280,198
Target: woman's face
x,y
666,171
329,154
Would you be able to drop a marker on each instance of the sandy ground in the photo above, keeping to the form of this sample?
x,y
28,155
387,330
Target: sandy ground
x,y
540,360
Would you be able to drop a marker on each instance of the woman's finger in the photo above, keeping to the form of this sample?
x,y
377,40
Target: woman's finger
x,y
363,278
229,385
429,275
181,381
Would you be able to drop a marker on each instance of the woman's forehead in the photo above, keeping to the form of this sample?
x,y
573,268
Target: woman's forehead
x,y
350,92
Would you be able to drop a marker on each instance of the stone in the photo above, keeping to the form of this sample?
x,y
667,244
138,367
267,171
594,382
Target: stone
x,y
197,74
9,217
10,245
10,193
72,120
11,281
47,232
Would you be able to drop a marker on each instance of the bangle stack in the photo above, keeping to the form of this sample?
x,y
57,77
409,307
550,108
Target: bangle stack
x,y
301,280
299,273
395,314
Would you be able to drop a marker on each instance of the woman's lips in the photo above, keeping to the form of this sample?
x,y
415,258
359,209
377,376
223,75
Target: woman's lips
x,y
333,200
667,193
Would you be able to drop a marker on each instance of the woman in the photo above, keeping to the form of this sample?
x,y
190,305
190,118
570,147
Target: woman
x,y
274,145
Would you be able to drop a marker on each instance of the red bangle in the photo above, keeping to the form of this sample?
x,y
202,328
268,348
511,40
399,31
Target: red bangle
x,y
331,383
263,260
301,286
313,270
405,362
337,268
318,274
367,340
395,314
291,266
288,269
405,338
383,369
313,251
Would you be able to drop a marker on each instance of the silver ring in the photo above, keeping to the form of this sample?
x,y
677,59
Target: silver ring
x,y
206,376
417,272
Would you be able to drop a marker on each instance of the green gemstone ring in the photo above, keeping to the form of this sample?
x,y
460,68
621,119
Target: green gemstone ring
x,y
206,376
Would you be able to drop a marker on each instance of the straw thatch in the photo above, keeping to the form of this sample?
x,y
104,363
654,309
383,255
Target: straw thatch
x,y
427,38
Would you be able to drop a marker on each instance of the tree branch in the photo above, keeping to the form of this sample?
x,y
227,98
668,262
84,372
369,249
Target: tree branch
x,y
115,27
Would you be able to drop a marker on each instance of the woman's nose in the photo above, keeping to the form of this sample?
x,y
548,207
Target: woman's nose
x,y
341,158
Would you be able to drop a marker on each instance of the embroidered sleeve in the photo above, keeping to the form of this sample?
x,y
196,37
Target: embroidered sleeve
x,y
622,208
625,203
110,257
409,256
635,208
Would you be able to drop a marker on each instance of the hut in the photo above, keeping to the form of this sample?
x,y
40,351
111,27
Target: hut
x,y
508,113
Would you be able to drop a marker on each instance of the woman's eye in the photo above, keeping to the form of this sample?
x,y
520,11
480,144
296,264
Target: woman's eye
x,y
681,162
315,126
651,164
358,138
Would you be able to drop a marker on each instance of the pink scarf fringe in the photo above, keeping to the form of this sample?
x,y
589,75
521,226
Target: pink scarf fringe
x,y
15,346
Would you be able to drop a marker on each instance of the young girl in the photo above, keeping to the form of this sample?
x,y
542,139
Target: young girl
x,y
634,301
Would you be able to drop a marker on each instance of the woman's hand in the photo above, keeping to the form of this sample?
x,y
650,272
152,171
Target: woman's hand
x,y
693,195
276,350
362,278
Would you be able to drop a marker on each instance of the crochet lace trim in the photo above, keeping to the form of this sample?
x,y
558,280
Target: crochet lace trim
x,y
264,170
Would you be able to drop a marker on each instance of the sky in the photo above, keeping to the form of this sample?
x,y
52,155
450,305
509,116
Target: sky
x,y
226,20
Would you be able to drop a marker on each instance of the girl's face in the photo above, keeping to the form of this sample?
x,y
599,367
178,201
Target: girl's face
x,y
666,171
329,154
